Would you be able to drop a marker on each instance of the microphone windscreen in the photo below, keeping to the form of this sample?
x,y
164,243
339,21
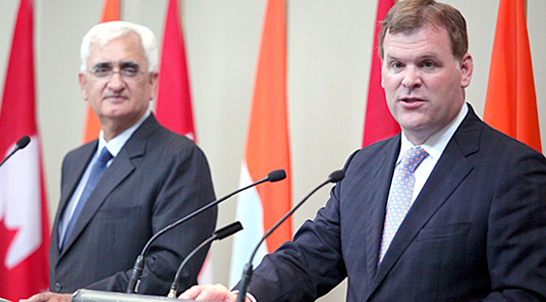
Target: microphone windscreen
x,y
228,230
23,142
276,175
336,176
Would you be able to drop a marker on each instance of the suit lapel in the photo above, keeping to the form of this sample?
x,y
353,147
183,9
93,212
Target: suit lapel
x,y
378,197
72,177
451,169
75,173
119,170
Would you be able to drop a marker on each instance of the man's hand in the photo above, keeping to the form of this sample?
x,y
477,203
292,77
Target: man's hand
x,y
210,292
48,297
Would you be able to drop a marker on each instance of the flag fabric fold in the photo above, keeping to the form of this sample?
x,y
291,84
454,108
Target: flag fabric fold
x,y
174,107
24,222
510,104
378,123
267,149
110,12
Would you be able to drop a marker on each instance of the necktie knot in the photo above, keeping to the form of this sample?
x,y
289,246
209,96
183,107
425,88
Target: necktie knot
x,y
104,156
412,158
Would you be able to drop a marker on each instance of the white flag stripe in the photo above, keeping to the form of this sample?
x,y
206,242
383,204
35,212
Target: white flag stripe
x,y
206,275
250,213
20,202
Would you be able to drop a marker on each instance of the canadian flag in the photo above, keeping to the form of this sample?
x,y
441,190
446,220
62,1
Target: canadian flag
x,y
378,123
174,106
24,223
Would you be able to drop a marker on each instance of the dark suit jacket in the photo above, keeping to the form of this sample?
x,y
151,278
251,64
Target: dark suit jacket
x,y
477,230
157,178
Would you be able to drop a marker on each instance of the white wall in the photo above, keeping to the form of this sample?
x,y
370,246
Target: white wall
x,y
329,50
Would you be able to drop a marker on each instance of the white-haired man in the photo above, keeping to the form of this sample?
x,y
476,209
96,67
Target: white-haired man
x,y
149,178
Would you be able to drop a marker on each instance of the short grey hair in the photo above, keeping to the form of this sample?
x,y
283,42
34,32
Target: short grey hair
x,y
102,33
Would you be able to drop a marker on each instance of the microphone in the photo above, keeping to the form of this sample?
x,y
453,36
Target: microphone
x,y
140,261
21,144
218,235
247,271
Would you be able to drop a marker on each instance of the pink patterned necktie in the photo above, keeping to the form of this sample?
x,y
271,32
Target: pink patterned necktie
x,y
400,200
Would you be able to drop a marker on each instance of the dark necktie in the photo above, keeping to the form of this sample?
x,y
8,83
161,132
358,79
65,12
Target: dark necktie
x,y
96,173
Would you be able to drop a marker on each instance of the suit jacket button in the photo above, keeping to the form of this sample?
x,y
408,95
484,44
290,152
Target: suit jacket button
x,y
58,286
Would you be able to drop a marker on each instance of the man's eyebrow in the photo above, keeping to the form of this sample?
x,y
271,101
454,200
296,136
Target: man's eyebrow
x,y
102,65
129,64
428,56
391,58
121,64
420,58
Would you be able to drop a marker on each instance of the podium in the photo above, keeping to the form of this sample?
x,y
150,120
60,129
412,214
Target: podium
x,y
86,295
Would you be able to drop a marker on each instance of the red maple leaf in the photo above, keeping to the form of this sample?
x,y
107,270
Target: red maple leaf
x,y
6,237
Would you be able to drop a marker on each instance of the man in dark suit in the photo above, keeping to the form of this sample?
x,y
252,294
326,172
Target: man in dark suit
x,y
460,217
150,178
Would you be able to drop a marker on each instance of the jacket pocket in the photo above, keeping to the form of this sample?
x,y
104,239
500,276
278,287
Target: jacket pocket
x,y
446,231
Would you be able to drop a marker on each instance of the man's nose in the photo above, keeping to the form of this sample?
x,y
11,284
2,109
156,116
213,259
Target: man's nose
x,y
412,78
116,81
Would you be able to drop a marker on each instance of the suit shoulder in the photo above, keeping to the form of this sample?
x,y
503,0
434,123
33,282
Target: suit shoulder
x,y
82,150
169,142
377,148
373,154
170,139
504,143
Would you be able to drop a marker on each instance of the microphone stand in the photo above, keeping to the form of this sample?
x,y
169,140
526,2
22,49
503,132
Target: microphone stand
x,y
138,267
218,235
247,271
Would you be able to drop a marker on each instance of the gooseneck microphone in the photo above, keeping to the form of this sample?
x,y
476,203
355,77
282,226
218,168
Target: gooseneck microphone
x,y
140,261
21,144
218,235
247,271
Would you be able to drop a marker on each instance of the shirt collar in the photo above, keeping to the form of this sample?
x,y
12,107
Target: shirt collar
x,y
436,144
116,143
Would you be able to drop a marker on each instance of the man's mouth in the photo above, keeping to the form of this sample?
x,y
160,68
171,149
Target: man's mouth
x,y
410,100
115,97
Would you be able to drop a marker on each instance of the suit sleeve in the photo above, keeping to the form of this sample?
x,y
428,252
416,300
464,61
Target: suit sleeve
x,y
310,265
183,185
516,245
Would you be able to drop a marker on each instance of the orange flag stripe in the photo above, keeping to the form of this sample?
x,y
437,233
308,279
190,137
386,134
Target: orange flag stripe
x,y
510,105
110,12
268,140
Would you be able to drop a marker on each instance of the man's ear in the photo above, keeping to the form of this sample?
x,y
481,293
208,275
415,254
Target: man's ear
x,y
381,72
154,77
83,81
467,67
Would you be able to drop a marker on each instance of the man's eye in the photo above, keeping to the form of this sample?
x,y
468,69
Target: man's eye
x,y
428,64
129,71
101,71
397,65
